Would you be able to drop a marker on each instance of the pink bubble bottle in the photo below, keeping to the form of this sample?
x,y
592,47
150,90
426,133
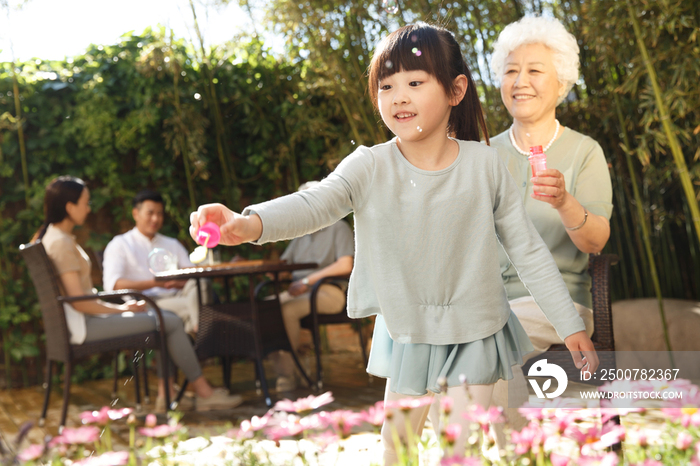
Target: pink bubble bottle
x,y
209,235
538,162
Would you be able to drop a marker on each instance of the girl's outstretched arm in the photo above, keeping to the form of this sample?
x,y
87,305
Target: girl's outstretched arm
x,y
235,228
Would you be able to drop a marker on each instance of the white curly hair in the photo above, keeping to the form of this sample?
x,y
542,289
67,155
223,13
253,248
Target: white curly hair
x,y
538,30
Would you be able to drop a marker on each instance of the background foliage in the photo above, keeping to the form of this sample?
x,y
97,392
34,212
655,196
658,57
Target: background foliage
x,y
237,123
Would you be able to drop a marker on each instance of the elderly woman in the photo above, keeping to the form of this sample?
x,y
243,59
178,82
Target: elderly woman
x,y
536,61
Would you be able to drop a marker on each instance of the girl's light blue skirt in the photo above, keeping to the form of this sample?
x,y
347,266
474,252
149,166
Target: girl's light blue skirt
x,y
414,368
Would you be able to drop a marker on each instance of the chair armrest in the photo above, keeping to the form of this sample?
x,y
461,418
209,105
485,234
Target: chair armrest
x,y
599,270
119,293
316,286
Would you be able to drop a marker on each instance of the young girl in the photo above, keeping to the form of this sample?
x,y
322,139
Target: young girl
x,y
430,211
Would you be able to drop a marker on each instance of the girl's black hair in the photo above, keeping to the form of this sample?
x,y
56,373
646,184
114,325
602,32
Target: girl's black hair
x,y
434,50
59,192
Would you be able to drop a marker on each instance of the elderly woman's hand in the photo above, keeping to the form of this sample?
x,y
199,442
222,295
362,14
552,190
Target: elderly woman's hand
x,y
550,187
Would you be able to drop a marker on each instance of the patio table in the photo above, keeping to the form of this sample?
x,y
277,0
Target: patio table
x,y
250,329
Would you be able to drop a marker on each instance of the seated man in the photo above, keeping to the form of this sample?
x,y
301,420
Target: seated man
x,y
125,264
333,249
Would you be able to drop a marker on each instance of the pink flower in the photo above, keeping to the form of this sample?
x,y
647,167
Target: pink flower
x,y
684,440
248,428
484,416
686,416
559,460
77,436
374,414
111,458
341,420
609,459
452,433
528,439
680,385
304,404
595,438
116,414
446,404
637,437
325,439
100,417
626,386
161,431
457,460
291,425
104,415
559,423
689,398
31,453
151,420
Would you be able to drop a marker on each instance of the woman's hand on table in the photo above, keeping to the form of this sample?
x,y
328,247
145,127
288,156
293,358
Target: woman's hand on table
x,y
235,228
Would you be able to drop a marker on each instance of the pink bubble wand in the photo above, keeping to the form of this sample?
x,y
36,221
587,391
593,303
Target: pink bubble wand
x,y
208,236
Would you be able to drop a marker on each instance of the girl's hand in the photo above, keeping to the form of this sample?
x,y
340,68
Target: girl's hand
x,y
134,306
551,184
235,228
579,343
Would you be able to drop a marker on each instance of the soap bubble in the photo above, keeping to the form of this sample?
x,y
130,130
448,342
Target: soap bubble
x,y
390,6
161,260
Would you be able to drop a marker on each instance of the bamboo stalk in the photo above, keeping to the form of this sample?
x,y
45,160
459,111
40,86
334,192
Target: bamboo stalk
x,y
673,143
351,120
228,173
20,134
181,135
642,220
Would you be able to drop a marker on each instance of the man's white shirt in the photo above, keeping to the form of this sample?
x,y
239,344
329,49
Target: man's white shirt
x,y
126,257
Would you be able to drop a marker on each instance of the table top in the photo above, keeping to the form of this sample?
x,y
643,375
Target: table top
x,y
228,269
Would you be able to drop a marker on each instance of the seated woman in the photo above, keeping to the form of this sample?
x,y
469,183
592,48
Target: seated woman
x,y
67,204
537,63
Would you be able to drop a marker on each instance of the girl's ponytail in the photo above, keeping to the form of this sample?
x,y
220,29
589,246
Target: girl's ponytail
x,y
467,120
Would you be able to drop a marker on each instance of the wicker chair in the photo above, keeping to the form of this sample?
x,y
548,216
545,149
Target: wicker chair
x,y
315,319
134,355
603,338
58,346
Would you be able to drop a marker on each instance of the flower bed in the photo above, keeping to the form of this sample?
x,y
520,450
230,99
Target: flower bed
x,y
296,432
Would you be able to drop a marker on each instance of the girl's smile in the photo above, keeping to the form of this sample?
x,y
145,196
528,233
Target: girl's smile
x,y
414,105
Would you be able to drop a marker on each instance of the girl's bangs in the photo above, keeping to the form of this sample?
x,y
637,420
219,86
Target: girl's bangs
x,y
410,50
